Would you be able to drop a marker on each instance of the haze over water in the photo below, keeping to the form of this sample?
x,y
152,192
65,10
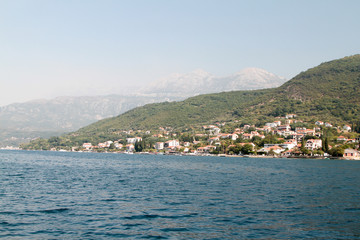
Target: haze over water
x,y
55,195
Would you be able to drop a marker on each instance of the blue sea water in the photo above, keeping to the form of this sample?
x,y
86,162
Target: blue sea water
x,y
57,195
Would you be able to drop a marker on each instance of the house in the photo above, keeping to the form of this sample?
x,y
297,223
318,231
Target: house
x,y
319,123
108,143
290,116
347,128
328,125
130,148
213,140
271,125
213,130
313,144
275,149
304,131
247,136
238,131
118,145
171,143
341,139
87,146
133,140
159,146
284,128
267,129
234,136
102,145
310,132
290,153
286,145
289,121
206,149
351,154
277,123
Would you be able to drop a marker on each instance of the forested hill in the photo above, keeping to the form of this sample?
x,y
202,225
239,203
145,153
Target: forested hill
x,y
328,92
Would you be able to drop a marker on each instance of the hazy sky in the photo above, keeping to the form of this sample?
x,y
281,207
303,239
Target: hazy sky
x,y
51,48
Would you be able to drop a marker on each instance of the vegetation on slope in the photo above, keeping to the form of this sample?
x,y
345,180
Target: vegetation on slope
x,y
328,92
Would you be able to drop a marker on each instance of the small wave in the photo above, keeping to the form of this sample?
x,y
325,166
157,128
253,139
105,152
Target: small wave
x,y
175,229
15,175
154,237
142,216
55,210
17,224
132,224
150,216
352,209
109,200
7,213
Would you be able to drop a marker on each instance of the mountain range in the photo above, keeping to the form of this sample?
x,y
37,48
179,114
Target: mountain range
x,y
20,122
328,92
201,82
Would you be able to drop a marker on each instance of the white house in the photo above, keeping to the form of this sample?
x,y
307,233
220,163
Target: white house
x,y
159,146
290,116
118,145
347,128
171,143
87,146
108,143
341,139
133,140
328,124
102,145
275,149
313,144
130,147
285,145
284,128
319,123
272,125
234,136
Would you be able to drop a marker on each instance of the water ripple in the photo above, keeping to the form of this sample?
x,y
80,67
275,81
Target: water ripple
x,y
52,195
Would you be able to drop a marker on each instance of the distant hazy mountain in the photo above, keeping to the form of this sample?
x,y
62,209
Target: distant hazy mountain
x,y
200,82
20,122
42,118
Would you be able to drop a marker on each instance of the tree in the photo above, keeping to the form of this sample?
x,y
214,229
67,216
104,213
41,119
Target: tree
x,y
337,151
326,145
247,148
235,149
139,146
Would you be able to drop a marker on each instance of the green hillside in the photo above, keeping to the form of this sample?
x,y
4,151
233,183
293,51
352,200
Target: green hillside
x,y
195,110
328,92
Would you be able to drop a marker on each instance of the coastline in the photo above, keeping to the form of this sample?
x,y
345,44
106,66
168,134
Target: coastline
x,y
198,155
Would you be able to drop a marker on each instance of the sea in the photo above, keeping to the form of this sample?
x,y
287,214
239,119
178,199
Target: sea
x,y
66,195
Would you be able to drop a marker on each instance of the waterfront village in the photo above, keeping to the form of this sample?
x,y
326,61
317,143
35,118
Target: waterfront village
x,y
285,137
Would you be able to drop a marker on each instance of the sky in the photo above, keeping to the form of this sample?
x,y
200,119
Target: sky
x,y
88,47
